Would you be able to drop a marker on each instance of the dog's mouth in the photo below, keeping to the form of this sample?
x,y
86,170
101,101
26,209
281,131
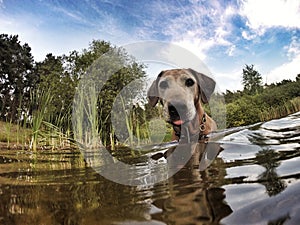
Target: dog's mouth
x,y
177,114
178,122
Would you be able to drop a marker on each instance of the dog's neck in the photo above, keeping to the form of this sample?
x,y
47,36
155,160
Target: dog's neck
x,y
195,129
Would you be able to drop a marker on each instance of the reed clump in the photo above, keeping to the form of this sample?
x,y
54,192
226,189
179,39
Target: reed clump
x,y
287,108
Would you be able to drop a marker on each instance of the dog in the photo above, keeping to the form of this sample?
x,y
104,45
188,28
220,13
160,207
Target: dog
x,y
182,92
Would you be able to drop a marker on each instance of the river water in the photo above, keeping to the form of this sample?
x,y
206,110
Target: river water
x,y
250,176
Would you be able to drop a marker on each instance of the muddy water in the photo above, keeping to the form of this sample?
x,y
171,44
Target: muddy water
x,y
254,179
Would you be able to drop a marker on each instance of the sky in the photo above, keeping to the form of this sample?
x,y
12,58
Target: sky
x,y
224,35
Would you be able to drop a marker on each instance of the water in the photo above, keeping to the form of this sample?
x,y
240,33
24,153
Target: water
x,y
255,179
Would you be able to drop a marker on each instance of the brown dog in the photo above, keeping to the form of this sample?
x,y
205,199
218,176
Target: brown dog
x,y
181,92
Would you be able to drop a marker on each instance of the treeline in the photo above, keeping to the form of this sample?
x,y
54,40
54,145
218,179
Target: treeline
x,y
40,95
258,103
33,94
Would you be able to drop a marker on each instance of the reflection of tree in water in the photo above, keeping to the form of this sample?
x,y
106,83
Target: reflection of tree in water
x,y
268,158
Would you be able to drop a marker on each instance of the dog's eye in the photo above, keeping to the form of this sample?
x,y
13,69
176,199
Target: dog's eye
x,y
189,82
163,84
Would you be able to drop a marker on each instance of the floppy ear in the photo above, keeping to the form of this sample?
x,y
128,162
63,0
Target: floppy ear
x,y
206,84
153,91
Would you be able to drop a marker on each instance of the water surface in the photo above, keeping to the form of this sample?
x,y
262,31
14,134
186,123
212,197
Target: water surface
x,y
253,180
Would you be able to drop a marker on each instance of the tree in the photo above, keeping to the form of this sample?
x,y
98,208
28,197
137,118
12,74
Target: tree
x,y
16,77
62,75
252,80
54,79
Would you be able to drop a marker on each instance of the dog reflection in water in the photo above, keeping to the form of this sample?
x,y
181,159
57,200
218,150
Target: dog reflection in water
x,y
193,197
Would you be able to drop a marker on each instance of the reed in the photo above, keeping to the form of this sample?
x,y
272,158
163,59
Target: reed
x,y
41,99
287,108
8,127
85,117
14,135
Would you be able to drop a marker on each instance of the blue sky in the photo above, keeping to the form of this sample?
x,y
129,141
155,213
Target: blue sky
x,y
225,35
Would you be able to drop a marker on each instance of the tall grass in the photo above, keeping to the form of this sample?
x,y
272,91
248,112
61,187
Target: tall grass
x,y
14,135
85,117
287,108
41,99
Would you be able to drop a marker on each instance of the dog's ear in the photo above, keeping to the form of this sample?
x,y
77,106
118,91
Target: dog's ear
x,y
153,91
206,84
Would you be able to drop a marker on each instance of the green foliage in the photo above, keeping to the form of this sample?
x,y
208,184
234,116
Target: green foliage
x,y
41,100
252,80
60,75
17,79
28,87
286,108
242,111
274,101
13,134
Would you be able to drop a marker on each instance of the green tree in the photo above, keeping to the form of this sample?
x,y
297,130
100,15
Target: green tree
x,y
242,112
16,77
62,75
252,80
61,85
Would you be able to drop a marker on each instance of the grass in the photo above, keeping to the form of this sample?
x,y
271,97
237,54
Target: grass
x,y
140,131
13,135
85,117
287,108
42,99
89,130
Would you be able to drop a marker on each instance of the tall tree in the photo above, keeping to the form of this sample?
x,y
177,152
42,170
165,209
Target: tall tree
x,y
62,74
252,80
16,77
52,78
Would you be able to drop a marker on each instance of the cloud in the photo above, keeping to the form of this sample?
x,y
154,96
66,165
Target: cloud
x,y
231,50
65,36
200,26
31,30
290,69
229,80
293,49
265,14
248,36
287,70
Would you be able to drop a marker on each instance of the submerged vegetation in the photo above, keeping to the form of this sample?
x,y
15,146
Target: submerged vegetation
x,y
37,99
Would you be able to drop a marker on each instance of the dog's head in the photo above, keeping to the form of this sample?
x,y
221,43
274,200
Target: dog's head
x,y
180,91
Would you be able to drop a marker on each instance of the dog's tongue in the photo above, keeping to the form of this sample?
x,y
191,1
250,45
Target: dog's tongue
x,y
178,122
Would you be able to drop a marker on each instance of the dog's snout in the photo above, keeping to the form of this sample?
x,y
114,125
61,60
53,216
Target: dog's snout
x,y
172,109
177,108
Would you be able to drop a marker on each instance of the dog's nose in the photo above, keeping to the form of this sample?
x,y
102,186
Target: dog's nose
x,y
172,109
177,108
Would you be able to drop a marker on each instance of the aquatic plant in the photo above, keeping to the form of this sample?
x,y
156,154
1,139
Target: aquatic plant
x,y
276,112
40,100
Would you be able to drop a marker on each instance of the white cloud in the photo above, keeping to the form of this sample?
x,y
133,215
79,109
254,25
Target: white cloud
x,y
290,69
246,35
200,27
271,13
31,30
287,70
196,45
230,51
34,30
229,80
293,49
